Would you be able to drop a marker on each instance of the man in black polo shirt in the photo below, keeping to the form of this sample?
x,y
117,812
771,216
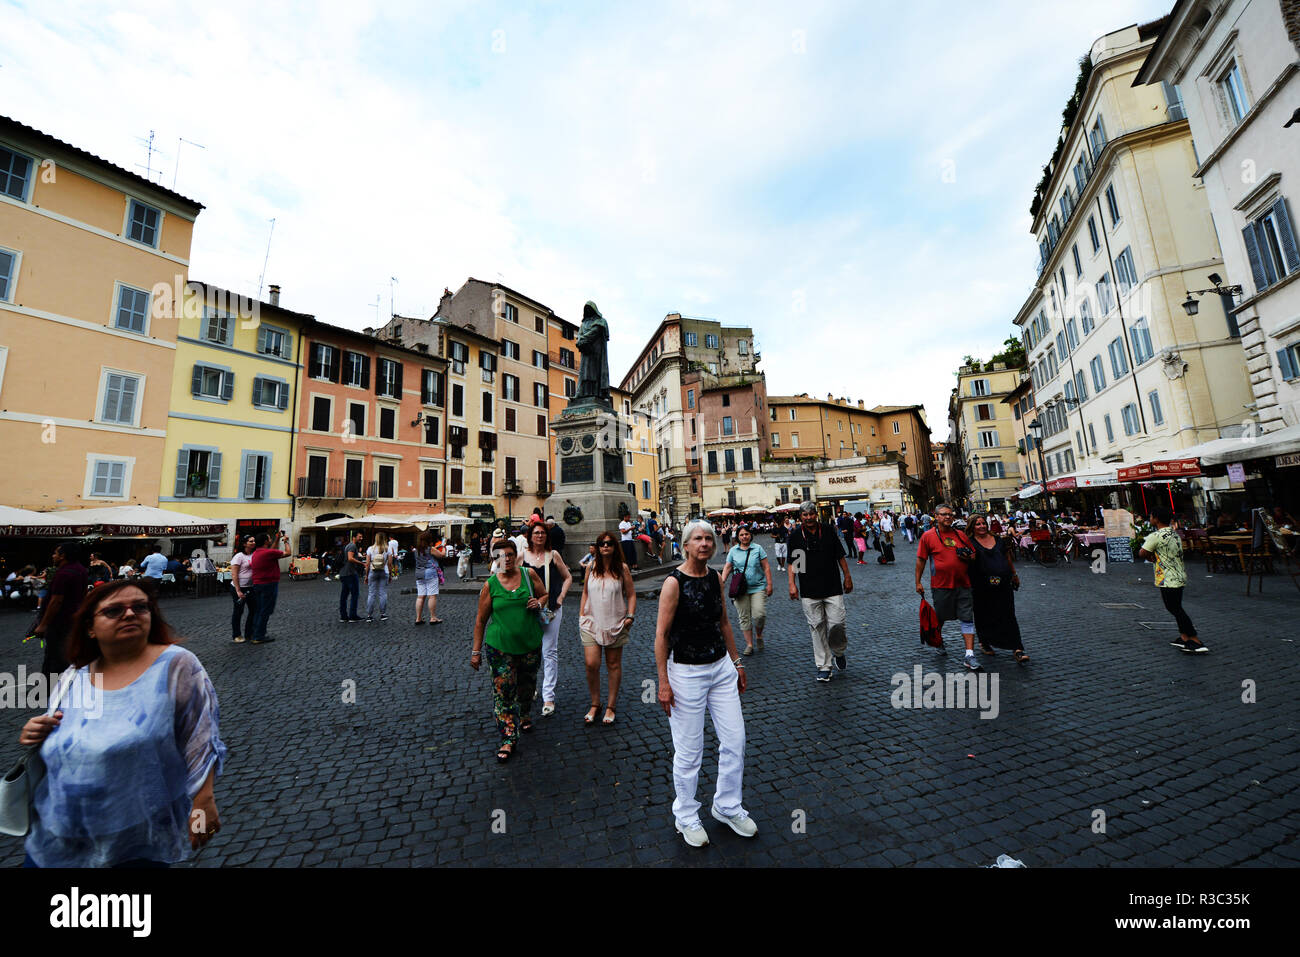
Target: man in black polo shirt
x,y
821,562
555,536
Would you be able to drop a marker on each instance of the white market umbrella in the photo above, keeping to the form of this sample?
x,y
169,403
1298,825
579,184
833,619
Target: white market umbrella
x,y
722,511
754,510
141,520
788,507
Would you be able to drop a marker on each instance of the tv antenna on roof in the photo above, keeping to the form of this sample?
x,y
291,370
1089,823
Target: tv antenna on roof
x,y
176,168
262,278
150,150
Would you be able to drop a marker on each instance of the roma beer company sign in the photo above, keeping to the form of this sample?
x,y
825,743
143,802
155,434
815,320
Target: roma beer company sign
x,y
175,531
1170,468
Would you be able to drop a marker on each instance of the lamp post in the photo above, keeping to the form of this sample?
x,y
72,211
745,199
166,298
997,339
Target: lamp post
x,y
976,469
1036,427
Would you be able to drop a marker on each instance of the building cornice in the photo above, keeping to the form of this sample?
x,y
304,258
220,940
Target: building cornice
x,y
1256,108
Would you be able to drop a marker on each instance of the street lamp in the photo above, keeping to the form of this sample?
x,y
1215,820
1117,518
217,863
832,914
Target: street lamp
x,y
1192,307
976,460
1037,428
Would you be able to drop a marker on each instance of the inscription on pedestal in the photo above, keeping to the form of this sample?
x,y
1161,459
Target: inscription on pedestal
x,y
613,468
576,469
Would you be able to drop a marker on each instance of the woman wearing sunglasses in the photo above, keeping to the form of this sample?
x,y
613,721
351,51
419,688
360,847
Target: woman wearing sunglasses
x,y
604,622
130,762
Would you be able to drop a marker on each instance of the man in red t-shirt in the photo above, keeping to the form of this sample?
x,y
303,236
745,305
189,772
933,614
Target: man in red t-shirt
x,y
265,563
950,552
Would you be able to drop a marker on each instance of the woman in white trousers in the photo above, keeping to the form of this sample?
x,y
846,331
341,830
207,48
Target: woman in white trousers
x,y
699,673
554,573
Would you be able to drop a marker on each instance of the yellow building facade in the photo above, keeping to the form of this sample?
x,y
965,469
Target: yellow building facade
x,y
982,440
228,452
88,253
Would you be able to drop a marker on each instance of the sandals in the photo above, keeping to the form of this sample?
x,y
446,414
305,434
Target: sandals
x,y
435,621
749,650
590,717
504,752
610,715
548,708
1020,656
526,725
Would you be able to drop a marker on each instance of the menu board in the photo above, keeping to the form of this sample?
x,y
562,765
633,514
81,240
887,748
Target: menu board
x,y
1119,534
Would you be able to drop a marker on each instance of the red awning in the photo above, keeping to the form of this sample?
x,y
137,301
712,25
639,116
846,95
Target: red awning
x,y
1056,485
1166,469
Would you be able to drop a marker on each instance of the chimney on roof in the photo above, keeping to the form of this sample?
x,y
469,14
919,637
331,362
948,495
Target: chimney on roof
x,y
830,397
859,403
275,295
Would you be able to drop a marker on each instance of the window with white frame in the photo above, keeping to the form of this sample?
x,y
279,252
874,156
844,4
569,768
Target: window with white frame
x,y
1288,361
356,369
1270,245
710,341
1118,362
510,313
1130,416
270,393
431,387
1071,335
742,347
142,223
1080,385
1141,338
1085,315
1233,90
1097,137
1062,347
132,313
119,402
1098,374
212,382
570,387
15,174
539,359
1078,263
897,429
217,326
539,395
274,341
1125,271
1092,234
691,338
388,378
794,440
979,387
1157,413
776,440
1092,435
107,477
510,387
509,349
8,273
792,414
256,475
993,470
1105,294
1112,204
988,438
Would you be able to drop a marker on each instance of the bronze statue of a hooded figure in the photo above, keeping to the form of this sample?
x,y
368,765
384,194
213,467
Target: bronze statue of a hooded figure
x,y
593,373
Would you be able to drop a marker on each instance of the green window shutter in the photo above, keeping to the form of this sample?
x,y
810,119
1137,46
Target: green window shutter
x,y
1288,364
182,472
1286,234
214,475
227,385
196,381
250,476
283,402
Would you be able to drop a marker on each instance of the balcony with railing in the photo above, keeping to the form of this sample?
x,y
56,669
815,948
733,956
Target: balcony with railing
x,y
339,489
545,488
513,488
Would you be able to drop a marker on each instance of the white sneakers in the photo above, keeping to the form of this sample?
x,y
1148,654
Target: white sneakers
x,y
694,834
740,822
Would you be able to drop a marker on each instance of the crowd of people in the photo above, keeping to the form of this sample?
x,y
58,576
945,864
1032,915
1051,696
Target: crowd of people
x,y
113,633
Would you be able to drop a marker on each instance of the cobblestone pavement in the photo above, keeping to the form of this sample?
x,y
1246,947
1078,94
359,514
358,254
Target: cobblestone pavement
x,y
1106,718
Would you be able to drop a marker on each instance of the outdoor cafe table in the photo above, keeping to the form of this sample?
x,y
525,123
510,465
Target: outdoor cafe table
x,y
1241,541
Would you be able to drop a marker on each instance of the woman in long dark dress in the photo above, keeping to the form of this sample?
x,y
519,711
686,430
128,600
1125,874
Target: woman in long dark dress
x,y
993,581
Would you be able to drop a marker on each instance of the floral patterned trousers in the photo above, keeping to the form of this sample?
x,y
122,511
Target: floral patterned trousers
x,y
514,685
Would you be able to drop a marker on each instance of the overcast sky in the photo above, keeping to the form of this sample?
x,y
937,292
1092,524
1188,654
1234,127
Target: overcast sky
x,y
852,180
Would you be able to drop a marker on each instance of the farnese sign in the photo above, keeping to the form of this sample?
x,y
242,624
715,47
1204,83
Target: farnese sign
x,y
842,480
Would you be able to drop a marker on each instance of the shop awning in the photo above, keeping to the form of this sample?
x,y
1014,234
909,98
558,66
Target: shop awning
x,y
21,523
1029,491
1182,467
143,520
1061,484
1266,445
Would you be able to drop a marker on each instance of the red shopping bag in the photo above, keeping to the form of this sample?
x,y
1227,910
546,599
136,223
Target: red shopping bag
x,y
931,630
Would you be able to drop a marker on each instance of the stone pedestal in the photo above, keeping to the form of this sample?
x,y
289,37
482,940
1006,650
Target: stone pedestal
x,y
591,494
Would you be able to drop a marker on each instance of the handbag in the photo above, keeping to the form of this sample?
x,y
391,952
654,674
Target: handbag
x,y
738,585
18,788
544,615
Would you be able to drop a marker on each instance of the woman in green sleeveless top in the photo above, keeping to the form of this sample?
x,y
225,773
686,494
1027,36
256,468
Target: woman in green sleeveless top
x,y
507,621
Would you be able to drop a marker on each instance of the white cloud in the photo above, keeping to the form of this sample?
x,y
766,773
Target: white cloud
x,y
683,157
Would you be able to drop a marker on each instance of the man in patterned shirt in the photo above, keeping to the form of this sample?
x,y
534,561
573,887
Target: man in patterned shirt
x,y
1164,548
